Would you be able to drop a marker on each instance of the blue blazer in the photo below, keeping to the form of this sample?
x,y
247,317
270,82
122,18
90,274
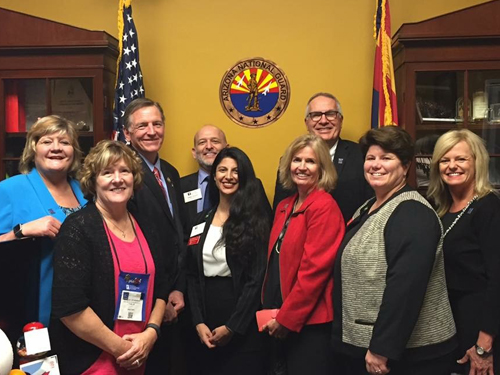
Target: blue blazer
x,y
24,198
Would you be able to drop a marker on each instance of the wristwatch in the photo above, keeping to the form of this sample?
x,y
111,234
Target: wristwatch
x,y
18,231
482,352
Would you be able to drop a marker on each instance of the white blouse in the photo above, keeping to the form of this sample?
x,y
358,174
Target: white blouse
x,y
214,258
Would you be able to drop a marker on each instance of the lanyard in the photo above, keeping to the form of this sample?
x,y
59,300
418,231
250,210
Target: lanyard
x,y
113,243
277,246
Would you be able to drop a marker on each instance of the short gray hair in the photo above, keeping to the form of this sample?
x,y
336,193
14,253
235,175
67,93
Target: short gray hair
x,y
326,95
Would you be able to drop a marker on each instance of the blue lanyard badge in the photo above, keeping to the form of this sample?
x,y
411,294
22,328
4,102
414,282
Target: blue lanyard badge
x,y
132,287
132,292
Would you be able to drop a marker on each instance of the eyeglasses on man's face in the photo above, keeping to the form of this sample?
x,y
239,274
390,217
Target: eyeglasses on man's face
x,y
330,115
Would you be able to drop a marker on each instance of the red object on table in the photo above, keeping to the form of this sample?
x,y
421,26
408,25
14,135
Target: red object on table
x,y
32,326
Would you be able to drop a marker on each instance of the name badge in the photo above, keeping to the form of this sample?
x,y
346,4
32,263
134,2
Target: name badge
x,y
131,306
192,195
197,229
132,291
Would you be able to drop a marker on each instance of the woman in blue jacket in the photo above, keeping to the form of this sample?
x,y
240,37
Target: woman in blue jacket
x,y
36,202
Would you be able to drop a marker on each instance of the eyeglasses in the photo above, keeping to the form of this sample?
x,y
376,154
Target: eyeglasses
x,y
330,115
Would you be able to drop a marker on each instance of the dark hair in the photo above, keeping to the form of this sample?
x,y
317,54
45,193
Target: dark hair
x,y
246,230
391,139
137,104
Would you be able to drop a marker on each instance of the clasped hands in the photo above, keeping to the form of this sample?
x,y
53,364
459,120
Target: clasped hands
x,y
140,345
175,306
376,364
220,336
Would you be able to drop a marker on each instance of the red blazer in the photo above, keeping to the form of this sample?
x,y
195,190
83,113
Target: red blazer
x,y
306,260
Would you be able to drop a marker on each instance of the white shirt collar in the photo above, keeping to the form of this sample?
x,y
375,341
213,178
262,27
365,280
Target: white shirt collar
x,y
333,149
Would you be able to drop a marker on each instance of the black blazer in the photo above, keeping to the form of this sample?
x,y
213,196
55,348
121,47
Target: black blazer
x,y
351,191
190,182
247,281
149,202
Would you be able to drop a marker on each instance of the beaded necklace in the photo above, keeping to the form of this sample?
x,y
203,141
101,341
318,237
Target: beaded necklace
x,y
460,215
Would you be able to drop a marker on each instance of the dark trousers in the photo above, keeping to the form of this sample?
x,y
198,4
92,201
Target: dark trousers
x,y
308,352
464,306
343,364
171,354
243,355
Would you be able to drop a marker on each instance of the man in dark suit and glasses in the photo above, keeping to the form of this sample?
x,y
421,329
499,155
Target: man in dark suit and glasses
x,y
158,203
324,118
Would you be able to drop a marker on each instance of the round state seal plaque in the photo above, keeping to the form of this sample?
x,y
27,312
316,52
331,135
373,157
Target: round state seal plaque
x,y
254,92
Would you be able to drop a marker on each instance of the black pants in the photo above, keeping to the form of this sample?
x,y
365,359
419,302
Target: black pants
x,y
343,364
308,352
171,355
243,354
464,306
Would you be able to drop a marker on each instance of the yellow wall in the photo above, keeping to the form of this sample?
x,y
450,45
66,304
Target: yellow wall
x,y
187,45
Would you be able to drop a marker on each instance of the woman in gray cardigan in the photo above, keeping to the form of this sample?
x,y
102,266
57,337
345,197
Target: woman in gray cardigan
x,y
391,309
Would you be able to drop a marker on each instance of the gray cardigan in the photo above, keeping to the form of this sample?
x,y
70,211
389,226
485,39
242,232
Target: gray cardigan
x,y
364,276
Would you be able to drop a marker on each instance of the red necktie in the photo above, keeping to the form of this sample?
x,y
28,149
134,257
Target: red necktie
x,y
156,172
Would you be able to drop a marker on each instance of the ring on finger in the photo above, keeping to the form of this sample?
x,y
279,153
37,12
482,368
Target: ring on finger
x,y
136,362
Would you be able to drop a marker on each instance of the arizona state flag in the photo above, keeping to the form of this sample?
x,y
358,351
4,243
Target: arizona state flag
x,y
129,84
384,103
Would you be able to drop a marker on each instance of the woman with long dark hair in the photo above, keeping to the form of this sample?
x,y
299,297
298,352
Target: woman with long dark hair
x,y
226,260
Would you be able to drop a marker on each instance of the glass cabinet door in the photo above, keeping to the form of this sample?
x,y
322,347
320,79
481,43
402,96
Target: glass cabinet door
x,y
26,100
447,100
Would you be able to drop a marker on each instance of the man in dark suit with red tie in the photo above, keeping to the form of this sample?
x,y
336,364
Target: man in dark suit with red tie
x,y
159,201
324,118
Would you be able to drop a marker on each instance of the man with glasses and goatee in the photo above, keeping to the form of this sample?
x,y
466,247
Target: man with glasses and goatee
x,y
324,118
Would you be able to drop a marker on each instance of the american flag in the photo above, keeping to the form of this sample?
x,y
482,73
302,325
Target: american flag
x,y
129,84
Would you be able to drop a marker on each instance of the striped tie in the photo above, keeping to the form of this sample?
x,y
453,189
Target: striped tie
x,y
156,172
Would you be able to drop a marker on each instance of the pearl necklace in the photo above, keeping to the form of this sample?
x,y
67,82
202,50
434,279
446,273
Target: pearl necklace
x,y
460,215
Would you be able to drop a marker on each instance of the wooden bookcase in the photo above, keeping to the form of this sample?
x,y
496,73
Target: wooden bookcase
x,y
448,77
50,68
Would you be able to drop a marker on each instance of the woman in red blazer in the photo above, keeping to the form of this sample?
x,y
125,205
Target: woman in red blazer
x,y
308,228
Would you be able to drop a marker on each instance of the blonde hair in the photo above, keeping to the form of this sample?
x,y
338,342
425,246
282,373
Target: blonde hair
x,y
104,154
438,190
327,173
46,126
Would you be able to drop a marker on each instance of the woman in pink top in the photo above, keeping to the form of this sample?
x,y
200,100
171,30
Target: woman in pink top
x,y
109,286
